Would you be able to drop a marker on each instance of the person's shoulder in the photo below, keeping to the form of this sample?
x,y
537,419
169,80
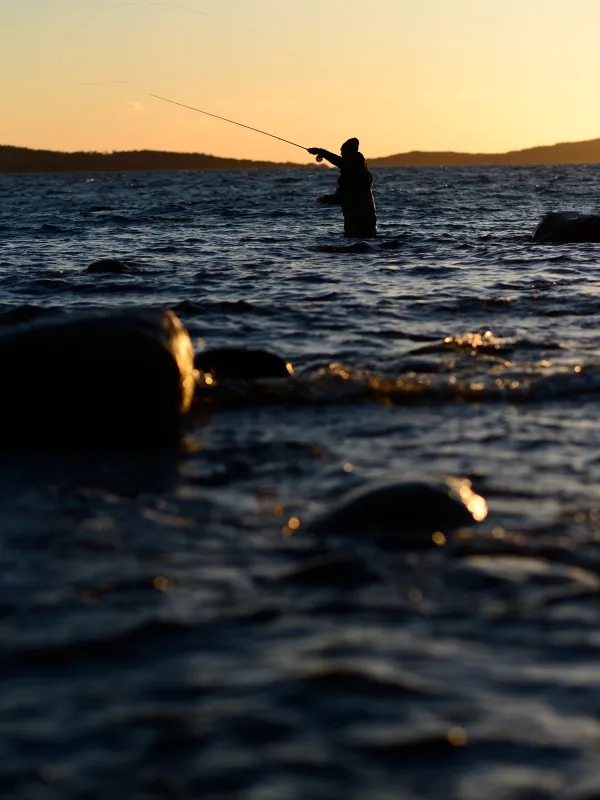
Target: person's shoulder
x,y
355,160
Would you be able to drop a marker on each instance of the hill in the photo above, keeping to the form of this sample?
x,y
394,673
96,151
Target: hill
x,y
22,159
587,152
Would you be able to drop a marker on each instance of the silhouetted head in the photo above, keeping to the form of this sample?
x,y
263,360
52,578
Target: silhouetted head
x,y
350,147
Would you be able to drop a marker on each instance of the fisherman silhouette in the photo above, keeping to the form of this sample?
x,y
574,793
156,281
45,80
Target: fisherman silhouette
x,y
354,190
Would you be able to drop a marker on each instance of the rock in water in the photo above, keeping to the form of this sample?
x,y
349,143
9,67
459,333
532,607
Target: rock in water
x,y
568,226
121,378
405,515
239,363
26,313
111,266
357,247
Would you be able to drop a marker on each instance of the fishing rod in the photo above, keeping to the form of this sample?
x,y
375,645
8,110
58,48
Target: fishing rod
x,y
166,99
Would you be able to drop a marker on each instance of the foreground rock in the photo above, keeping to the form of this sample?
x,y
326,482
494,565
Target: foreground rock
x,y
568,226
27,313
240,363
405,515
121,378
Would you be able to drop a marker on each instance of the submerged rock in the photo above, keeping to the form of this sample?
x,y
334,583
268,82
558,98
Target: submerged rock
x,y
240,363
111,266
119,378
357,247
413,515
568,226
341,570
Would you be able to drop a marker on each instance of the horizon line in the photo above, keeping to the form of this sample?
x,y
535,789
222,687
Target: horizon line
x,y
415,153
391,155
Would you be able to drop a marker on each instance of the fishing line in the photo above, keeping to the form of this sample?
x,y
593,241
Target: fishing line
x,y
149,3
199,110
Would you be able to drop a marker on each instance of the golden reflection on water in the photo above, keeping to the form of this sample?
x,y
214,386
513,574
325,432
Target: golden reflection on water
x,y
339,370
472,341
169,520
183,353
457,737
474,502
161,583
292,525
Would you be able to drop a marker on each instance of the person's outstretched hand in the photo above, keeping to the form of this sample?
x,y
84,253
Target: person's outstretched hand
x,y
314,151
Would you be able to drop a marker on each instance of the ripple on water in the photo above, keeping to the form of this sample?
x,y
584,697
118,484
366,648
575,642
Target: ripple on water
x,y
178,612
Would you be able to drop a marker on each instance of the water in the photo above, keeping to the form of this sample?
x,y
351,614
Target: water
x,y
162,635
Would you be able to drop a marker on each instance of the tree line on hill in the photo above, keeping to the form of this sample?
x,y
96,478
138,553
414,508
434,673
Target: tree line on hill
x,y
25,160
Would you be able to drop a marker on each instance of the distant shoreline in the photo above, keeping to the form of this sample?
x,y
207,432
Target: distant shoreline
x,y
15,160
20,160
587,152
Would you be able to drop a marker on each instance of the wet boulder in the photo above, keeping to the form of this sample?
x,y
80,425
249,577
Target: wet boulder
x,y
26,313
339,570
568,226
399,515
114,378
240,363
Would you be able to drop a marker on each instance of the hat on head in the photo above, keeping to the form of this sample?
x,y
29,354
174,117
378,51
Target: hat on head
x,y
351,145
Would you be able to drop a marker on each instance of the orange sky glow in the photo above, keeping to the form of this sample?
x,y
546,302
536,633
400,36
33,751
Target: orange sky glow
x,y
467,75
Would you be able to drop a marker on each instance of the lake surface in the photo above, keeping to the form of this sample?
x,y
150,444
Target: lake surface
x,y
165,636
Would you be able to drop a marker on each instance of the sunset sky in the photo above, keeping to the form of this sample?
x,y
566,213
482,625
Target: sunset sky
x,y
468,75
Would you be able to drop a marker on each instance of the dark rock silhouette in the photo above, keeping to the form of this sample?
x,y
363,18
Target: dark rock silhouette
x,y
339,570
120,378
404,515
360,247
568,226
586,152
24,159
111,266
26,313
239,363
357,247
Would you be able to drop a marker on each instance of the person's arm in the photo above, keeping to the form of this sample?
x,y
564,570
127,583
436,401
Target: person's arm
x,y
331,157
329,199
